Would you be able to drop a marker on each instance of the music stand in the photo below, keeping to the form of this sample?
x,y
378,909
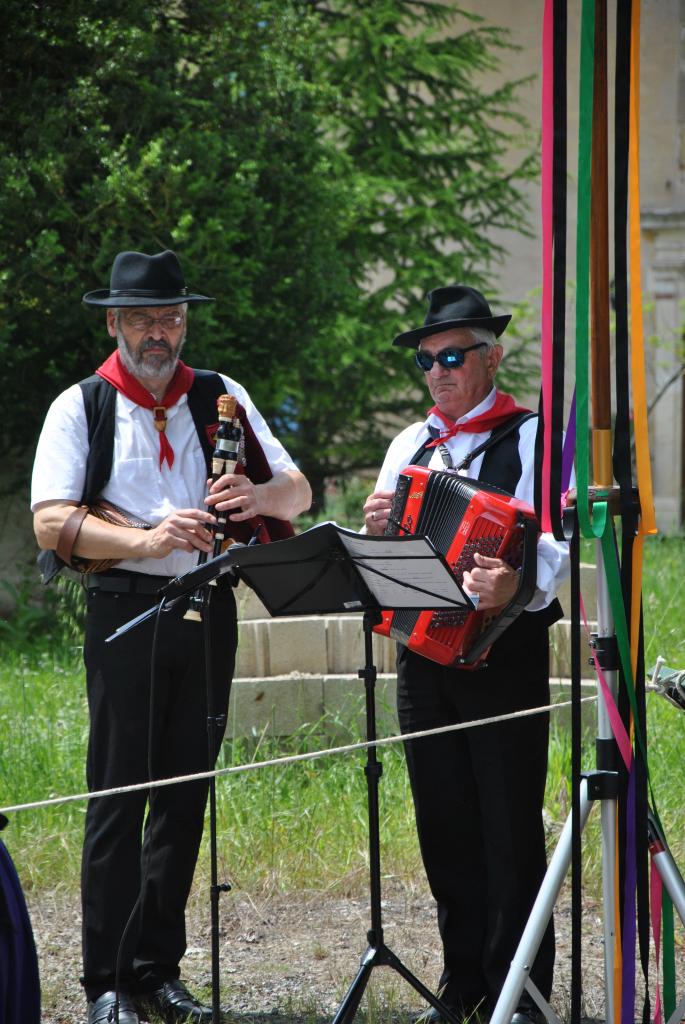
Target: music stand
x,y
330,569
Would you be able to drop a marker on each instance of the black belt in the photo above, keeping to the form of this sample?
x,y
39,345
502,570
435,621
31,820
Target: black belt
x,y
126,582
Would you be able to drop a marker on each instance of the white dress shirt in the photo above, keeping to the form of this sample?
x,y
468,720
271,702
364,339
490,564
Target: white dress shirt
x,y
137,482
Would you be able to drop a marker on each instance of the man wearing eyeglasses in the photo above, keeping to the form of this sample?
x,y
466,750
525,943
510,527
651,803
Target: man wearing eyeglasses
x,y
139,435
478,793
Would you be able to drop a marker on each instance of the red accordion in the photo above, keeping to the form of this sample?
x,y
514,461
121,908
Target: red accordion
x,y
461,517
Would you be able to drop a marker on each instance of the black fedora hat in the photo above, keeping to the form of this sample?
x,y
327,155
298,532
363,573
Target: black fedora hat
x,y
455,305
141,280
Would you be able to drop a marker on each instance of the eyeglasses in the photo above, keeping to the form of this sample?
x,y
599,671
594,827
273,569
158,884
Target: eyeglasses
x,y
450,358
141,322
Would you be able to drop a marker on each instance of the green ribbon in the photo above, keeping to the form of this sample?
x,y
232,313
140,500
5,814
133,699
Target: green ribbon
x,y
596,526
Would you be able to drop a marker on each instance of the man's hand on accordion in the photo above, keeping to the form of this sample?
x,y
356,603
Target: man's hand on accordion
x,y
493,580
377,510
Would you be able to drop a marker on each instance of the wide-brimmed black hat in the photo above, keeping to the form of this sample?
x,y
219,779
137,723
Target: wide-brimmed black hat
x,y
455,305
141,280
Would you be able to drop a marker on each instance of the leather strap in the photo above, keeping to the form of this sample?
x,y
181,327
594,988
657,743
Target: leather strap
x,y
69,532
513,424
126,583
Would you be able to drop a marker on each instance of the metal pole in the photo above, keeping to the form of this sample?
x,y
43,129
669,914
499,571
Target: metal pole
x,y
666,866
605,629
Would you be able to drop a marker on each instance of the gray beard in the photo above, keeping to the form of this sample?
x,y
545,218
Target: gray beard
x,y
154,366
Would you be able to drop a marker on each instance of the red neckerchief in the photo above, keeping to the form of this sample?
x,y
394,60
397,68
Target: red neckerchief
x,y
503,409
114,371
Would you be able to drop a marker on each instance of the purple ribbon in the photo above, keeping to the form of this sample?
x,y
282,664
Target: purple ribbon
x,y
569,446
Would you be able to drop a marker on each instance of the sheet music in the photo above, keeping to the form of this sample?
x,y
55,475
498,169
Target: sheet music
x,y
398,569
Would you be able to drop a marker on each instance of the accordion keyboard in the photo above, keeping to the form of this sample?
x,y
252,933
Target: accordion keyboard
x,y
461,517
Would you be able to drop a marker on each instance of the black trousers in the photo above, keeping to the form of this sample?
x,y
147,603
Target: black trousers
x,y
478,796
132,847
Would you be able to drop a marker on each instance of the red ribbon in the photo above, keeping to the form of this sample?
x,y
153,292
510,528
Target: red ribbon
x,y
114,371
503,409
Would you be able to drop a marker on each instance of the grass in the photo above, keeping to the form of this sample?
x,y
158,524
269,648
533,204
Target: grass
x,y
664,598
309,821
300,826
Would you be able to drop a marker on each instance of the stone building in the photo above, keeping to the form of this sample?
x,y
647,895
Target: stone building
x,y
662,194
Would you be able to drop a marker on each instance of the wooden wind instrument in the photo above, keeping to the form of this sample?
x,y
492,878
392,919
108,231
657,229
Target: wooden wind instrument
x,y
224,460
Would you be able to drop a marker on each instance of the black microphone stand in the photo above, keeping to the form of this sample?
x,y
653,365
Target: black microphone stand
x,y
215,726
198,580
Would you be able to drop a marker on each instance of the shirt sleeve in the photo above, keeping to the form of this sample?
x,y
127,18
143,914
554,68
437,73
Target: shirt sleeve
x,y
59,468
553,563
275,453
399,454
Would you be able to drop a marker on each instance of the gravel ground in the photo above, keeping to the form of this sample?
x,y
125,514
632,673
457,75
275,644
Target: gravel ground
x,y
292,958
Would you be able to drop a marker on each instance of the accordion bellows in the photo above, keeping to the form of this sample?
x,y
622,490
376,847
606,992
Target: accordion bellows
x,y
461,517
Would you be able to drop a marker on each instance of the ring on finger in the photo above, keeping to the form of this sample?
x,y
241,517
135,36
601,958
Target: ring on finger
x,y
373,514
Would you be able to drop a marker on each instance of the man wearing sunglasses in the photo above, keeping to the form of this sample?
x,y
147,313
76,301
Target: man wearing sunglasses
x,y
139,434
478,793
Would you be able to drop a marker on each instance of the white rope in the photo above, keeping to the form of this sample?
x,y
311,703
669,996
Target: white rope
x,y
289,759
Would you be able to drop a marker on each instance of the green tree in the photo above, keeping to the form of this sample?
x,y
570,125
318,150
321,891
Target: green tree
x,y
318,167
422,143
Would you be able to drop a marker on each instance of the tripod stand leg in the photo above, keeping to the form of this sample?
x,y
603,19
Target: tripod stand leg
x,y
538,997
666,866
381,956
392,961
673,884
353,996
678,1014
608,815
539,918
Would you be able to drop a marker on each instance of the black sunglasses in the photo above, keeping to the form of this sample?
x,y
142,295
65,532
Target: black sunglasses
x,y
450,358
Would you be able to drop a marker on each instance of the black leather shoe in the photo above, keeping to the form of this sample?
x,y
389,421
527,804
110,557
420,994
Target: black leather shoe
x,y
102,1009
175,1005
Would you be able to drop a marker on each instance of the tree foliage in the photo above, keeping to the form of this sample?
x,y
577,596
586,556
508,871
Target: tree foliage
x,y
318,167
